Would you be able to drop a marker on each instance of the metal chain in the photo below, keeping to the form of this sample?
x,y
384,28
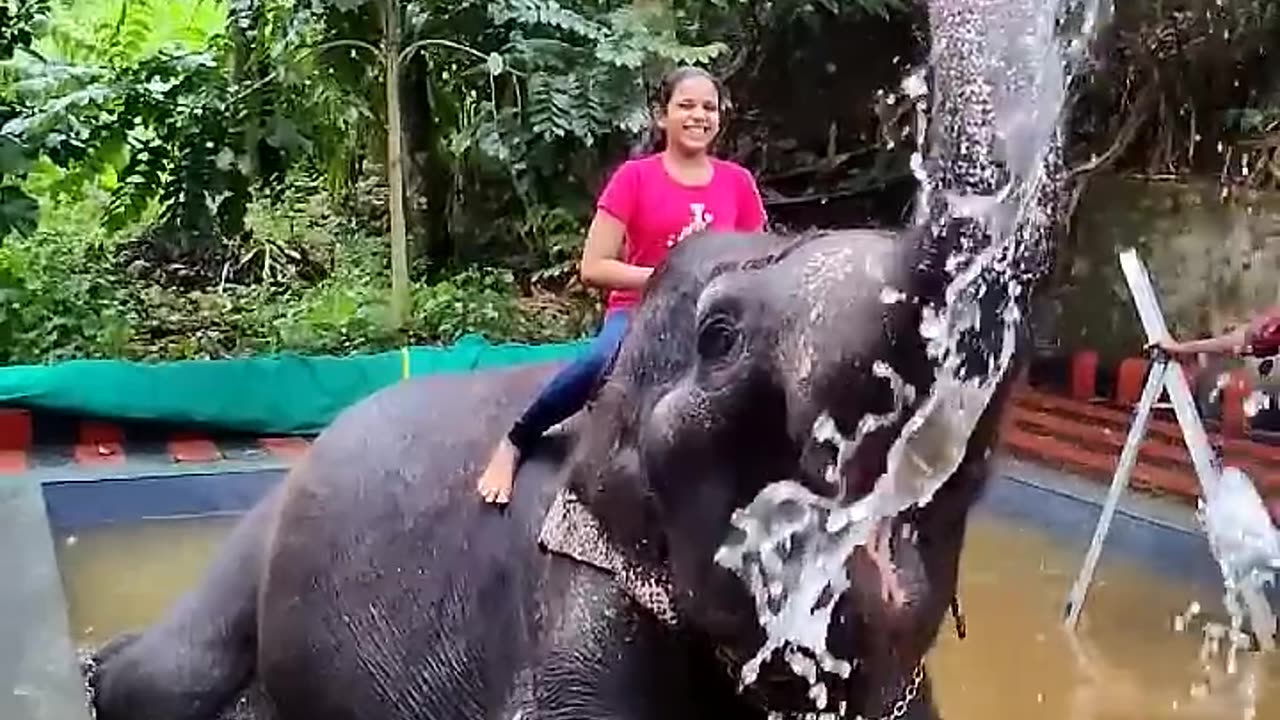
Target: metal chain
x,y
908,695
896,712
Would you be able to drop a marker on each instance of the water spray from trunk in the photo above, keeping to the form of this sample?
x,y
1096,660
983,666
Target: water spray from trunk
x,y
991,193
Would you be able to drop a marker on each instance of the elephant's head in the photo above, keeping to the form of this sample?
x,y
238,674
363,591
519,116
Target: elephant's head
x,y
799,363
764,383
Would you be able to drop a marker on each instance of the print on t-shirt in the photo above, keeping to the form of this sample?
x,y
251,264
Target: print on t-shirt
x,y
701,220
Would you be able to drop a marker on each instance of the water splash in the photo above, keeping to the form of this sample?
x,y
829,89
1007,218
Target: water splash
x,y
1002,70
1246,546
1256,402
1214,635
1247,549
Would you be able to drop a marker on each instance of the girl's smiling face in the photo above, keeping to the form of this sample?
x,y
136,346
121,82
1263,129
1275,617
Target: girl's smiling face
x,y
691,117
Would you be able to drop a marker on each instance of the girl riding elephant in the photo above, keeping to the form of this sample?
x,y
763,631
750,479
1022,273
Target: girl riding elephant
x,y
650,204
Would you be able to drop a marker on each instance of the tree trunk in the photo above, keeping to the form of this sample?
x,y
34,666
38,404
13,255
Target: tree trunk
x,y
395,169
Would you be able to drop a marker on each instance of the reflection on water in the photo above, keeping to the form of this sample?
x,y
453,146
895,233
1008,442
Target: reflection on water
x,y
1015,662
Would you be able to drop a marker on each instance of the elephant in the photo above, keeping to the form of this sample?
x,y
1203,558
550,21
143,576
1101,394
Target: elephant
x,y
372,582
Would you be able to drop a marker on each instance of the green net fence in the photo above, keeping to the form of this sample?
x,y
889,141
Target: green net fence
x,y
279,394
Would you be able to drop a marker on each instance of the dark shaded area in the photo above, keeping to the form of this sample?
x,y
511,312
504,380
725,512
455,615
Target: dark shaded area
x,y
808,120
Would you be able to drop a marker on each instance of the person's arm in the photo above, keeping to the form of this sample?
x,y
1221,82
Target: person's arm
x,y
1231,343
600,266
1256,335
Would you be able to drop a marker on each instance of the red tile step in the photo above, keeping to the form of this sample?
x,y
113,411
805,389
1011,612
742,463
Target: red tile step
x,y
1156,451
1049,450
99,443
190,447
1157,427
1086,437
15,440
285,448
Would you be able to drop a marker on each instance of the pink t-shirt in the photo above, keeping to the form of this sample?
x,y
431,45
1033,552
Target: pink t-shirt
x,y
659,212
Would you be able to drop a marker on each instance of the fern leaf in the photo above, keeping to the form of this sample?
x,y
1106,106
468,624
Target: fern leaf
x,y
549,13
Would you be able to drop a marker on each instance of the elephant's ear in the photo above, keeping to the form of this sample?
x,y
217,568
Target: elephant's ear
x,y
606,474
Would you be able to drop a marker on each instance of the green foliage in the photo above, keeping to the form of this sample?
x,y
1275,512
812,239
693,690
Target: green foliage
x,y
216,168
191,131
584,79
159,124
102,304
18,211
55,309
21,21
1188,88
121,32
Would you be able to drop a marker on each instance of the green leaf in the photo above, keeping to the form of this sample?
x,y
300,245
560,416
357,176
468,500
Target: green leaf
x,y
18,211
284,135
14,158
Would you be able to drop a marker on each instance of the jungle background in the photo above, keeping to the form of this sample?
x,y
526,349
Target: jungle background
x,y
215,178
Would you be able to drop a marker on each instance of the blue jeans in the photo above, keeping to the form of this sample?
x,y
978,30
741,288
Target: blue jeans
x,y
569,390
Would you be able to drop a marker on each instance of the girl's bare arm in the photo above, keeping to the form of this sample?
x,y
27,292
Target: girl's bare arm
x,y
600,266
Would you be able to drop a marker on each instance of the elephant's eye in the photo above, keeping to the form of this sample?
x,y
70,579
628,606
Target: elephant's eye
x,y
718,337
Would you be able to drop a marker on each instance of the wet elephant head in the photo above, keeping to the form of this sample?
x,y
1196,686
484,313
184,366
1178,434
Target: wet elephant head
x,y
788,369
799,363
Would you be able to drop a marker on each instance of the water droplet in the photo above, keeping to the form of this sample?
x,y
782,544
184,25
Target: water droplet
x,y
891,295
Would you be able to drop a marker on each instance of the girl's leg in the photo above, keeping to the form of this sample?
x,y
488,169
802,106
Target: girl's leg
x,y
567,392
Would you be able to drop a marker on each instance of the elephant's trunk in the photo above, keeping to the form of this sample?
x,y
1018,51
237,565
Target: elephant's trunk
x,y
990,205
990,202
993,186
1000,71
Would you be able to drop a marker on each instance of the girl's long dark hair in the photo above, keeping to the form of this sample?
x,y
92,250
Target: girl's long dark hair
x,y
654,139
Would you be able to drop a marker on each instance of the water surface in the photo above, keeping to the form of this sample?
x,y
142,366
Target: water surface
x,y
1015,662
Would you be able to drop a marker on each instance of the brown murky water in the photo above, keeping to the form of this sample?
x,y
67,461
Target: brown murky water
x,y
1126,664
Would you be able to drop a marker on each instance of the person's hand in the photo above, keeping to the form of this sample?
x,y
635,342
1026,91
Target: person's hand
x,y
1167,345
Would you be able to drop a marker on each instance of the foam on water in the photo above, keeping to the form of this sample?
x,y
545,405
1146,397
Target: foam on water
x,y
1002,70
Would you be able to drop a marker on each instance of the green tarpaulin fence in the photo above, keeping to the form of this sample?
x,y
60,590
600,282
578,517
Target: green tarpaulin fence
x,y
279,394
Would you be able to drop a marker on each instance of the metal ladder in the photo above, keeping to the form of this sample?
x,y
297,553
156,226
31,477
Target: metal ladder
x,y
1163,376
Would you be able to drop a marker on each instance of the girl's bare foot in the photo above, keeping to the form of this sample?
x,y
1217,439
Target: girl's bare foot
x,y
495,484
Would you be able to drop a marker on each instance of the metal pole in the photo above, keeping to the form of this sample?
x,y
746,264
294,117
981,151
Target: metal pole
x,y
1128,458
1149,312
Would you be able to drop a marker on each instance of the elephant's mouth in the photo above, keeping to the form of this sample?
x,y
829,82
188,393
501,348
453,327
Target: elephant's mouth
x,y
892,586
841,601
886,570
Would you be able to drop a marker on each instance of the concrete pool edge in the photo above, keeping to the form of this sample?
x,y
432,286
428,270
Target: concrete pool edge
x,y
44,678
39,663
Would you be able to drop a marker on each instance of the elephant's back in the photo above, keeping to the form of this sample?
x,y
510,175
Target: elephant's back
x,y
389,584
